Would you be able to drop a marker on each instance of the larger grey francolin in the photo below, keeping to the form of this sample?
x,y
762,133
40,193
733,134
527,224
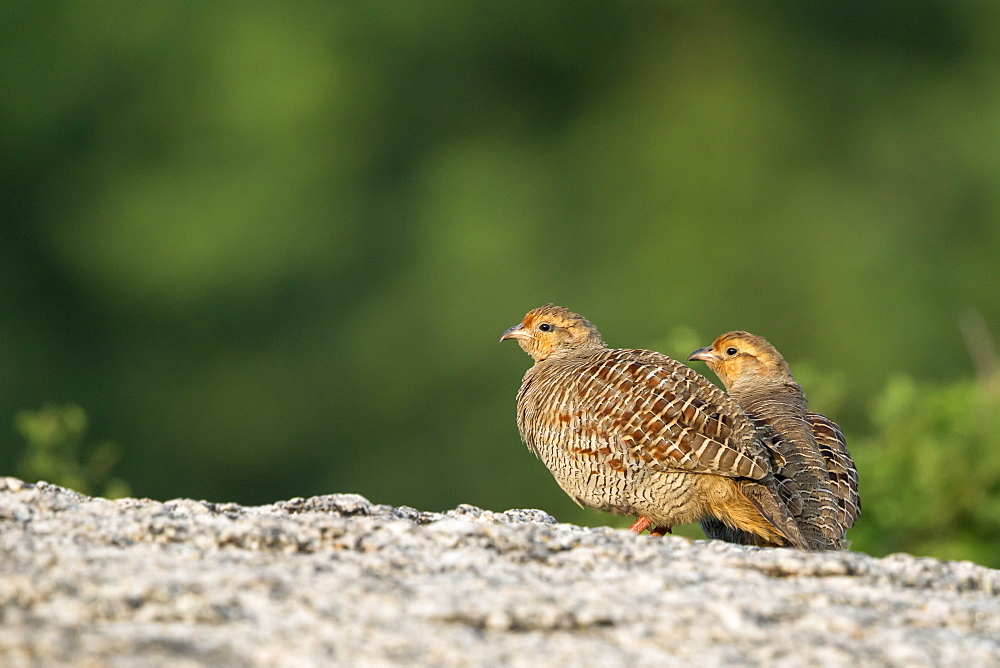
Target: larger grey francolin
x,y
634,432
818,469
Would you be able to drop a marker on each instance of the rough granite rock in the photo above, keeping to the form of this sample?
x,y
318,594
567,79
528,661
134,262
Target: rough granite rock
x,y
338,580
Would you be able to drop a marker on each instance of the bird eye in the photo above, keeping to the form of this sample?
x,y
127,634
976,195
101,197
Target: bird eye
x,y
731,351
545,327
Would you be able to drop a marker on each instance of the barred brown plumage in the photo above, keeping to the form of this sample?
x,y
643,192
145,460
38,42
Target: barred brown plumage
x,y
634,432
818,469
840,468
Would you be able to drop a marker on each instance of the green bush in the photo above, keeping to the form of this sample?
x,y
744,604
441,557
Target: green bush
x,y
56,452
930,471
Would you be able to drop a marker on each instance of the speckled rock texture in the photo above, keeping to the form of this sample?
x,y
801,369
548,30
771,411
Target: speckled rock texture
x,y
337,580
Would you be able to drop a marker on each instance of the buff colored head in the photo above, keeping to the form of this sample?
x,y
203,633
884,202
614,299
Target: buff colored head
x,y
552,331
737,357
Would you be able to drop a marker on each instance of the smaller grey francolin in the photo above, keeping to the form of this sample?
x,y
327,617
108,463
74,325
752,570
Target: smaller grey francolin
x,y
634,432
818,470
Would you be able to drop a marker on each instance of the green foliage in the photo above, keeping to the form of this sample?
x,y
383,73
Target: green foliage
x,y
56,452
930,471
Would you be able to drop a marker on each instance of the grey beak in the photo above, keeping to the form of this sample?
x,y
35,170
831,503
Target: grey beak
x,y
515,332
701,355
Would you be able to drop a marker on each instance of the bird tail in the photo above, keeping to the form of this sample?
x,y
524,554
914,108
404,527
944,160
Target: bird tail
x,y
768,503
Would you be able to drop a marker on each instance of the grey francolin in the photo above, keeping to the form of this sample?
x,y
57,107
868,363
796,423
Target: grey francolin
x,y
818,469
634,432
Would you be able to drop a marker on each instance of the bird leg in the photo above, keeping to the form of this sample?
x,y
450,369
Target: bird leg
x,y
644,523
640,524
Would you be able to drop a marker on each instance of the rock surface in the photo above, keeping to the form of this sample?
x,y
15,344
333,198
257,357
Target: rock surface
x,y
338,580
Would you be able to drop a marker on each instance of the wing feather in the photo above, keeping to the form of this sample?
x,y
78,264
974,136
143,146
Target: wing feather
x,y
843,473
645,406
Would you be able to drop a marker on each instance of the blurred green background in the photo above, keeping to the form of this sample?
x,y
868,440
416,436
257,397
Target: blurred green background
x,y
269,249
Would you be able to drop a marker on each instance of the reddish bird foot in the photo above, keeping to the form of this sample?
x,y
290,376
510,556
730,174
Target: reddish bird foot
x,y
640,524
644,523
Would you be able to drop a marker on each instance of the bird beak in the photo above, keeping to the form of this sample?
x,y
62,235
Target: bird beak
x,y
702,355
516,332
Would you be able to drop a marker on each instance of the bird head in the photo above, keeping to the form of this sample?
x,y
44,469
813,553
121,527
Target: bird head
x,y
549,331
738,357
